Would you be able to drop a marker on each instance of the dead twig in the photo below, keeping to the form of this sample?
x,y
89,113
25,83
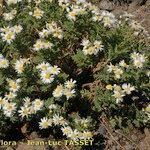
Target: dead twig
x,y
112,137
125,137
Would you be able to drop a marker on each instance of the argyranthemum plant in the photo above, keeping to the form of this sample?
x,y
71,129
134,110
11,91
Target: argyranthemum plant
x,y
50,49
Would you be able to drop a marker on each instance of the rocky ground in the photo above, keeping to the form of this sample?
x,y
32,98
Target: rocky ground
x,y
139,8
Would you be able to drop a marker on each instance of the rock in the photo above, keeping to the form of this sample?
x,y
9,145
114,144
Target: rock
x,y
9,148
106,5
134,137
129,147
33,135
1,5
147,133
25,146
143,2
148,3
145,143
3,148
139,2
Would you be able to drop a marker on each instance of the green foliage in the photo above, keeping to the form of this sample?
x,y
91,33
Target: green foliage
x,y
61,61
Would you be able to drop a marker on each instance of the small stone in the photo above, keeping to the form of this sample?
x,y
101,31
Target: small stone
x,y
138,2
9,148
114,148
148,3
3,147
25,146
116,138
106,5
33,135
129,147
134,137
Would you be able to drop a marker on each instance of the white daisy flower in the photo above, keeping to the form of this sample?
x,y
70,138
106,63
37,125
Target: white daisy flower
x,y
4,63
45,123
118,72
17,29
14,85
110,68
119,96
128,88
19,65
58,92
1,102
44,33
38,13
69,93
54,70
43,66
10,2
138,59
66,130
74,135
25,111
59,120
9,16
47,77
27,101
123,64
10,95
70,84
108,19
37,104
38,45
52,106
98,45
8,36
87,135
9,108
85,42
